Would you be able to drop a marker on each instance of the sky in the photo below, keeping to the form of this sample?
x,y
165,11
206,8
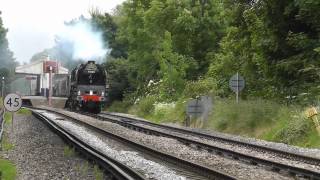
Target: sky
x,y
32,24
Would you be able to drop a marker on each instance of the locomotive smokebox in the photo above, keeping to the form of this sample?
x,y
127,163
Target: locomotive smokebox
x,y
88,87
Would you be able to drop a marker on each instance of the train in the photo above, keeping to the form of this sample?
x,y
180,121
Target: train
x,y
87,88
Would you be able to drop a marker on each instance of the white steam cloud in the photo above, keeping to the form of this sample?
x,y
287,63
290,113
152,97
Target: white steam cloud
x,y
87,43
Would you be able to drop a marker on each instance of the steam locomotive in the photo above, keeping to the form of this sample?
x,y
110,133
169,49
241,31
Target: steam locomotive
x,y
87,88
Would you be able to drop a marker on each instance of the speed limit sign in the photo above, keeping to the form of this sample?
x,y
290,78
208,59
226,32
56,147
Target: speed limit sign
x,y
12,102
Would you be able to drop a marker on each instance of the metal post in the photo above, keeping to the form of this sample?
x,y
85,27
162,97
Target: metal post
x,y
2,88
50,86
237,93
12,117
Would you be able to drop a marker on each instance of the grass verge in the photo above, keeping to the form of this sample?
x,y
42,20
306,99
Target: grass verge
x,y
7,170
8,118
260,119
24,111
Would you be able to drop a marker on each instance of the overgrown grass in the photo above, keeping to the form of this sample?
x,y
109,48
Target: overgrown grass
x,y
98,173
7,170
8,118
24,111
68,151
6,145
246,117
252,118
84,168
150,109
118,106
264,120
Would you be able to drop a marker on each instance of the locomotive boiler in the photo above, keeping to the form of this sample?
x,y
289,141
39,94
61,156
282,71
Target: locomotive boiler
x,y
87,88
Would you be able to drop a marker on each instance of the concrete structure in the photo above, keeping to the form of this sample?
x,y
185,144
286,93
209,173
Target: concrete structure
x,y
33,84
35,72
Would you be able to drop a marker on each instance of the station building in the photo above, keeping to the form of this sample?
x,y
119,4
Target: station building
x,y
33,79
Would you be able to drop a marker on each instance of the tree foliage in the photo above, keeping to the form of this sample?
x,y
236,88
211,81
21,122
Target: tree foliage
x,y
164,48
7,62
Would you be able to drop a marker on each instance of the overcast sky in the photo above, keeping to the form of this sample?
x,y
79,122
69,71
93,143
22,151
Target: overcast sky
x,y
32,24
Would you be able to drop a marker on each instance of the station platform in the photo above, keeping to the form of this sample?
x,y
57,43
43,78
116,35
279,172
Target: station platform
x,y
56,102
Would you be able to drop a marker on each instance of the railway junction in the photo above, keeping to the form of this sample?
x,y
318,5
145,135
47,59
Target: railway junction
x,y
119,146
48,140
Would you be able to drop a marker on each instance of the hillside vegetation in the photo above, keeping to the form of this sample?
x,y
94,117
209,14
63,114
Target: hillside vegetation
x,y
164,52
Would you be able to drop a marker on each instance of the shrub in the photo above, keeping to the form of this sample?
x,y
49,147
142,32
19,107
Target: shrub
x,y
197,88
244,117
119,106
145,106
294,131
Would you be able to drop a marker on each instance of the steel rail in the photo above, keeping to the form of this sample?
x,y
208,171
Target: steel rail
x,y
285,154
194,167
117,169
276,166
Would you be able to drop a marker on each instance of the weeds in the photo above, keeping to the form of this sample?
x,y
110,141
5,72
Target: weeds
x,y
84,169
68,151
5,144
8,118
98,174
7,170
261,119
24,111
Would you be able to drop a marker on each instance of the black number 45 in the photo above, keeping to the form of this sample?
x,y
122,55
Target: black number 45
x,y
16,102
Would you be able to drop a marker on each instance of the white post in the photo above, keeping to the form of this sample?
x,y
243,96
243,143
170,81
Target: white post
x,y
12,117
237,93
2,88
50,86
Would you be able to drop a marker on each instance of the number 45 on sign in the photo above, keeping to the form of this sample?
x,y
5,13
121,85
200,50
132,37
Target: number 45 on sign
x,y
12,103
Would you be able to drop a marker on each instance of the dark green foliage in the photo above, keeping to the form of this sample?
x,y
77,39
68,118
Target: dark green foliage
x,y
6,56
117,70
166,42
274,45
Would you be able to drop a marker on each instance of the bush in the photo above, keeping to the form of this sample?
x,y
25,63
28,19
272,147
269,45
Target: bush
x,y
243,117
145,106
294,132
119,106
197,88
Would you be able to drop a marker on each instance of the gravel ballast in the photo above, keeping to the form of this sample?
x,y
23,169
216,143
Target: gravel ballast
x,y
150,169
238,148
311,152
38,153
173,147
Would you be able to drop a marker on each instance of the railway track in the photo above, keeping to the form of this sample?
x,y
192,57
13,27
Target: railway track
x,y
285,154
187,165
162,130
115,169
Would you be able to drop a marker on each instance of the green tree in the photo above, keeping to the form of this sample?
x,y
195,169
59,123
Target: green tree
x,y
6,56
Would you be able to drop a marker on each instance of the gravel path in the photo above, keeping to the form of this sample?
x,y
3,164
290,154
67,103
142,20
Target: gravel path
x,y
38,153
171,146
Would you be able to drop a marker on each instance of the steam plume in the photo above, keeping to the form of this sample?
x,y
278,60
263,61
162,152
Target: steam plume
x,y
86,42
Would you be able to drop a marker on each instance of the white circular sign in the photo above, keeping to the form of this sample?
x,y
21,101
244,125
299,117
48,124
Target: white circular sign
x,y
12,102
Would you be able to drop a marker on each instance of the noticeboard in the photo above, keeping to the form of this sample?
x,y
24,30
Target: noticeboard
x,y
53,64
